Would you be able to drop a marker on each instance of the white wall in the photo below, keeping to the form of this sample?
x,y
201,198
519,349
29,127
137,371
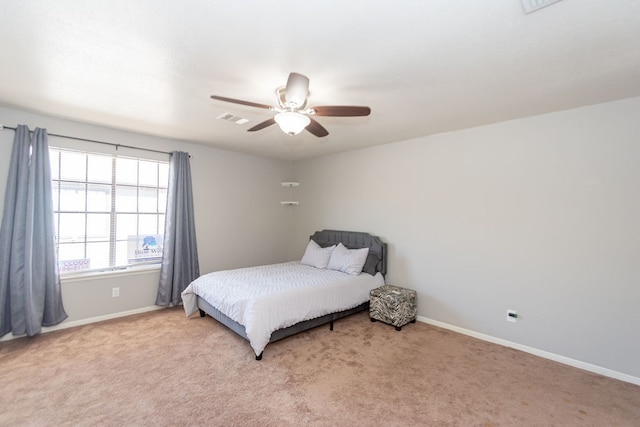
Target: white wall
x,y
540,215
239,219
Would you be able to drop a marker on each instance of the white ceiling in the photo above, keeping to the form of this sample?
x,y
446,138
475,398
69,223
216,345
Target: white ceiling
x,y
424,67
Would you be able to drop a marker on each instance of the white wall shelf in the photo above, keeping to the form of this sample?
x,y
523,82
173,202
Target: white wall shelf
x,y
290,184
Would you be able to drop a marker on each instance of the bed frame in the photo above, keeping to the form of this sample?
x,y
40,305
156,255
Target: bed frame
x,y
376,262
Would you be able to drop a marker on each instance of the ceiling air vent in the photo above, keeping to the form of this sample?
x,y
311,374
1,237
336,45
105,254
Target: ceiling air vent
x,y
533,5
233,118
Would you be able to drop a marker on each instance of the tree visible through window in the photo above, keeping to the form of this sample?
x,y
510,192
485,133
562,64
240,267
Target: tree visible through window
x,y
109,210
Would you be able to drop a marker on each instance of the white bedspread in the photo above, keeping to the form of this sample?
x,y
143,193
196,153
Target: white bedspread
x,y
270,297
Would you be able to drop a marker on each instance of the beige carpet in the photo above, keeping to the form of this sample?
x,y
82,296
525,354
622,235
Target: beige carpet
x,y
160,368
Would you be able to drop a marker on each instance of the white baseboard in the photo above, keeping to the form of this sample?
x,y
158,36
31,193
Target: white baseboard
x,y
65,325
541,353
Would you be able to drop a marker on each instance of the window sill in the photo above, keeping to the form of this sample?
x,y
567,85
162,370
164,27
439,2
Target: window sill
x,y
129,271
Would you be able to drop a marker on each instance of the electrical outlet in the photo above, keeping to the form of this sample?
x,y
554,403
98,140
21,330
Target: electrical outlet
x,y
512,316
115,292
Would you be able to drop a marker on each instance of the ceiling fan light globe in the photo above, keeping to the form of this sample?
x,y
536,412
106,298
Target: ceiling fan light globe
x,y
292,123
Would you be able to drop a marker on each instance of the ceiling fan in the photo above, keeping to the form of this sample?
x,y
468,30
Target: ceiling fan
x,y
292,112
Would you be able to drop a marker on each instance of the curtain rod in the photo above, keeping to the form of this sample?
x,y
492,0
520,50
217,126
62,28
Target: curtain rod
x,y
94,141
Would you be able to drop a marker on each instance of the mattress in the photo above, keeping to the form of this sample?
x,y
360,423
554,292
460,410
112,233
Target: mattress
x,y
266,298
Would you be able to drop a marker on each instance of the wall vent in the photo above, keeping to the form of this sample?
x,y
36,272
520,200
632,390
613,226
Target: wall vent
x,y
533,5
233,118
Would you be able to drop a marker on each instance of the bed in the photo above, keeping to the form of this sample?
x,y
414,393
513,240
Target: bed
x,y
267,303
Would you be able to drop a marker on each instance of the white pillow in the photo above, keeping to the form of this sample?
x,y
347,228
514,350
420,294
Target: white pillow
x,y
315,256
348,261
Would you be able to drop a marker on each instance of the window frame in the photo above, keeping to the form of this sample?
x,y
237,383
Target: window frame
x,y
59,182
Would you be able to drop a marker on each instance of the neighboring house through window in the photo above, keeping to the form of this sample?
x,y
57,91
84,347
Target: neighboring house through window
x,y
109,210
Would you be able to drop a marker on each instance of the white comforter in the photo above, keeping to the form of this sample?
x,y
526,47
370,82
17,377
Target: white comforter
x,y
270,297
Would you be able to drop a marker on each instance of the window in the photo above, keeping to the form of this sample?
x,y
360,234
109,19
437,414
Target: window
x,y
109,210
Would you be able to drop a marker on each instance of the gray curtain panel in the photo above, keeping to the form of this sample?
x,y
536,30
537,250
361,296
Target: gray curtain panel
x,y
30,294
180,253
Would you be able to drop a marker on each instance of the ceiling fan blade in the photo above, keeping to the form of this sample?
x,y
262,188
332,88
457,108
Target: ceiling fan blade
x,y
317,129
297,90
262,125
239,101
342,111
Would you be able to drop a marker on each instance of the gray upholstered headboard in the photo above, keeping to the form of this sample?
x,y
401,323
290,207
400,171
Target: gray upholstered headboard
x,y
377,258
